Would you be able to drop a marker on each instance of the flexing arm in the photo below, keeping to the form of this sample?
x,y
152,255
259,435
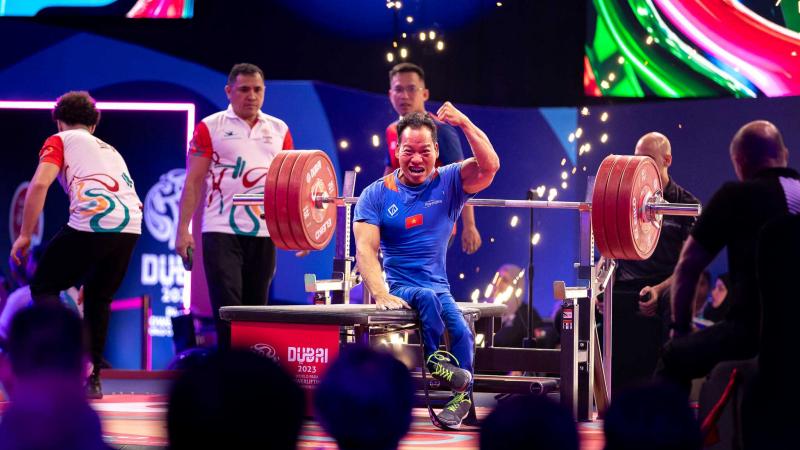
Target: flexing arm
x,y
196,169
368,239
44,176
477,172
693,260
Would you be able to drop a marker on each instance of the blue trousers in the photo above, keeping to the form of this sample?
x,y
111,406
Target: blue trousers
x,y
437,311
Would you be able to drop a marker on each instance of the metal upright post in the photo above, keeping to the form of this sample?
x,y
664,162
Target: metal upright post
x,y
529,340
342,261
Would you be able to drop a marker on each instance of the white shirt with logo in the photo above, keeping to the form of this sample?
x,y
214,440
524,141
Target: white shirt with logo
x,y
240,158
102,198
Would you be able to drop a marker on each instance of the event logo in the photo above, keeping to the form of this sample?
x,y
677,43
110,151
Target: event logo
x,y
165,270
15,216
162,206
308,354
265,350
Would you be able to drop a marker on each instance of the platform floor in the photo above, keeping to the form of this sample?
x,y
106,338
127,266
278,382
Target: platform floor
x,y
133,415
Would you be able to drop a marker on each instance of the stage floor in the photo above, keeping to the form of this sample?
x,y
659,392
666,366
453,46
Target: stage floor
x,y
134,416
139,420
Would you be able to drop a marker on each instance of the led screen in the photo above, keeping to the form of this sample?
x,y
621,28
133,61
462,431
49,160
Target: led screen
x,y
134,9
692,48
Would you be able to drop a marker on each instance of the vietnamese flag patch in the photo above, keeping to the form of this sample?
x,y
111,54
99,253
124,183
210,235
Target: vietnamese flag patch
x,y
413,221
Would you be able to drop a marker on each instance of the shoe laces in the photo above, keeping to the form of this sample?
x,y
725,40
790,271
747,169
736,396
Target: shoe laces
x,y
459,398
440,370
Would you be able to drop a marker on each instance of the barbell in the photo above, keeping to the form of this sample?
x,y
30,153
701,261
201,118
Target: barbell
x,y
301,195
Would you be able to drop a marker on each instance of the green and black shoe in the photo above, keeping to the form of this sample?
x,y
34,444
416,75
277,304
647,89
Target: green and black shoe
x,y
441,367
456,409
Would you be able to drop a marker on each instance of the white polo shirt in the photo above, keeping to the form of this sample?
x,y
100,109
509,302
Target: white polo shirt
x,y
102,198
240,157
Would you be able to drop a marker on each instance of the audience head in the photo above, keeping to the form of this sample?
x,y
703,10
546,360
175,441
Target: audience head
x,y
653,416
364,400
235,399
756,146
721,287
46,340
531,422
49,409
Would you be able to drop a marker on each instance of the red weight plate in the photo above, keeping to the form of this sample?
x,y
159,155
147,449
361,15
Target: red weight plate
x,y
270,209
282,198
610,207
310,225
638,236
598,194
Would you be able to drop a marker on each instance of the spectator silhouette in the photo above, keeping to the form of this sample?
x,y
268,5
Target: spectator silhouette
x,y
531,422
364,400
235,400
43,372
653,417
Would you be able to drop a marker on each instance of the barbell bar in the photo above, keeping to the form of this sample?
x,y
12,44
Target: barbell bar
x,y
626,208
653,207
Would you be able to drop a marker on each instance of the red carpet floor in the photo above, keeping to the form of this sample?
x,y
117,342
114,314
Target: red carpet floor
x,y
139,420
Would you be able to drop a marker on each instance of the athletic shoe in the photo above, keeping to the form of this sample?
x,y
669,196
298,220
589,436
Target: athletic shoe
x,y
456,409
440,366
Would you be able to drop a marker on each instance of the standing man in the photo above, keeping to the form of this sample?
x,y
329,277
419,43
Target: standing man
x,y
105,220
408,216
407,93
230,154
641,288
767,189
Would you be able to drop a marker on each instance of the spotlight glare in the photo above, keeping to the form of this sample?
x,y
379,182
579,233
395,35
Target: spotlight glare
x,y
514,221
476,294
343,144
536,238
